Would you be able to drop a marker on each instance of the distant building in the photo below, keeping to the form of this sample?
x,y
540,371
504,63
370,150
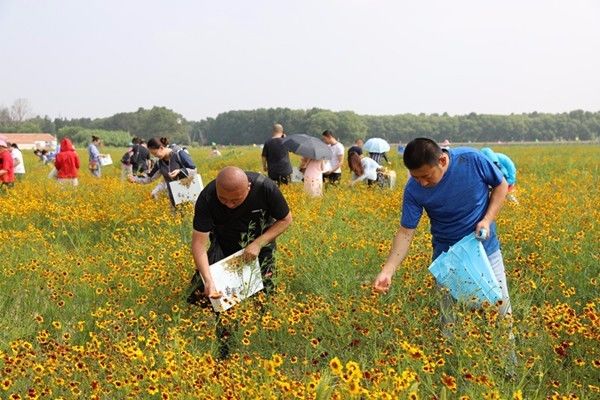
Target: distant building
x,y
31,141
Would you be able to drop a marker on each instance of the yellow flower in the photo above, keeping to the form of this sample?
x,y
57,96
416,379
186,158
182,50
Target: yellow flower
x,y
336,366
354,387
5,384
277,360
518,395
449,381
269,367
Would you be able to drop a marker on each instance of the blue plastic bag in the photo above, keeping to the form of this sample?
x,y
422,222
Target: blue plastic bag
x,y
466,272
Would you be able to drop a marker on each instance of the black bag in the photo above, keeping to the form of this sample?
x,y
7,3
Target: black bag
x,y
127,158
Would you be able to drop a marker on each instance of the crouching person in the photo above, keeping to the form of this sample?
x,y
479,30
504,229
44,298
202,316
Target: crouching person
x,y
236,210
174,163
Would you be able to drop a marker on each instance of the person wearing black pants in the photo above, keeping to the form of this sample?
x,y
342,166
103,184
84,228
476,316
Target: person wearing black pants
x,y
275,157
236,207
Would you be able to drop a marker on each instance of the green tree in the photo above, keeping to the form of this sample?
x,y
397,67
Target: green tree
x,y
323,120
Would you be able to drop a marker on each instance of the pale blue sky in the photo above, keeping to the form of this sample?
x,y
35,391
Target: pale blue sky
x,y
95,58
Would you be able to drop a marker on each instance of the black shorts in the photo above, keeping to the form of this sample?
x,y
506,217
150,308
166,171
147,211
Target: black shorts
x,y
280,179
333,177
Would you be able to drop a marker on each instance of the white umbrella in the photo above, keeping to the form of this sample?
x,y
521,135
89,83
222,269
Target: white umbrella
x,y
376,145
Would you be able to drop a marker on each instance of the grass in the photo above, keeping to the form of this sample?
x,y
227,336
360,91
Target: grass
x,y
94,279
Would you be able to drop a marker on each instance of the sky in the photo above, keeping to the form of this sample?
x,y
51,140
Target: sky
x,y
89,58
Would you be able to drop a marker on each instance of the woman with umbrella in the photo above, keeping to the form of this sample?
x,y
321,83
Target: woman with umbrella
x,y
313,152
313,176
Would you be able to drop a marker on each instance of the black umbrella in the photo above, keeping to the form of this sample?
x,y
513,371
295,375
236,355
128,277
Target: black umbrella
x,y
307,146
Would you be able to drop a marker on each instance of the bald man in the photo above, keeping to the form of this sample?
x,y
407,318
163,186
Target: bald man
x,y
237,210
275,157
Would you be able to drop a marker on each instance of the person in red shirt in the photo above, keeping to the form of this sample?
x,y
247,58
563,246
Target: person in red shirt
x,y
7,169
67,163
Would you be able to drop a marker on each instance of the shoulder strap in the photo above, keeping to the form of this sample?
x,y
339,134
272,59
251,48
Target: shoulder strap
x,y
183,168
179,158
260,179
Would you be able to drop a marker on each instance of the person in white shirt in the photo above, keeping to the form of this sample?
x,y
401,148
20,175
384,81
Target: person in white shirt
x,y
363,168
18,161
333,169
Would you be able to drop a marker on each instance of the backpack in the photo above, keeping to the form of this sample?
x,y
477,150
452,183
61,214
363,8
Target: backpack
x,y
135,155
127,157
174,146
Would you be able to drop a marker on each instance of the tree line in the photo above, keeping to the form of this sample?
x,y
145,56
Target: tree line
x,y
116,130
243,127
253,126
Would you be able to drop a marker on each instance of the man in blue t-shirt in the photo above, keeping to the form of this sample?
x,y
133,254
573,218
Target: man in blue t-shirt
x,y
453,187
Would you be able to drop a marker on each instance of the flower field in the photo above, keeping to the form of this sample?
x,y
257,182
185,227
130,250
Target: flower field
x,y
93,282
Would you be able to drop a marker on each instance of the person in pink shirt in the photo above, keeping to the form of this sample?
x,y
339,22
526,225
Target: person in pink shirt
x,y
313,176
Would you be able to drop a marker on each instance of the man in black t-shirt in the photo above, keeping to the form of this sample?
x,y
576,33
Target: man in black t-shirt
x,y
238,210
356,148
275,157
140,159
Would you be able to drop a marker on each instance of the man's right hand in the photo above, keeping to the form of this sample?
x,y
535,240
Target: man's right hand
x,y
211,291
383,281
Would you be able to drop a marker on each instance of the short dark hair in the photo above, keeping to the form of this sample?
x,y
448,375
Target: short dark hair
x,y
421,151
156,143
14,146
328,133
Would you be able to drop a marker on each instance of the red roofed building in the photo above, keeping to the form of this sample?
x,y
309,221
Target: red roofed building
x,y
29,141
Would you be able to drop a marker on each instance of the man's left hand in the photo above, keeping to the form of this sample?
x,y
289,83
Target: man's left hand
x,y
251,251
483,224
174,173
